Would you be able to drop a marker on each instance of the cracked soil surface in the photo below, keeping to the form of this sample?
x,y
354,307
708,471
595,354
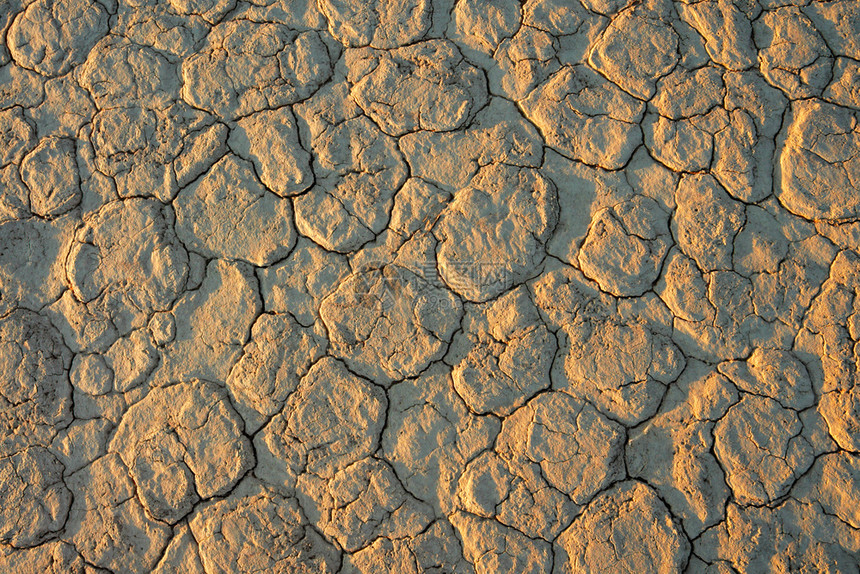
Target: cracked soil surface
x,y
429,286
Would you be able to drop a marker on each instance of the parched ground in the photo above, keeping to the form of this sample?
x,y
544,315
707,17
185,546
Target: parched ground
x,y
429,286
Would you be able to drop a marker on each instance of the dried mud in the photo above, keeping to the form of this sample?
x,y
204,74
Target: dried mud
x,y
429,286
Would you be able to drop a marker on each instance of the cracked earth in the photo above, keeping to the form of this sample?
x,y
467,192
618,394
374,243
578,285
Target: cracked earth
x,y
442,286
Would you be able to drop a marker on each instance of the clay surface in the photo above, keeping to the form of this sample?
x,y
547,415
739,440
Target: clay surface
x,y
429,286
